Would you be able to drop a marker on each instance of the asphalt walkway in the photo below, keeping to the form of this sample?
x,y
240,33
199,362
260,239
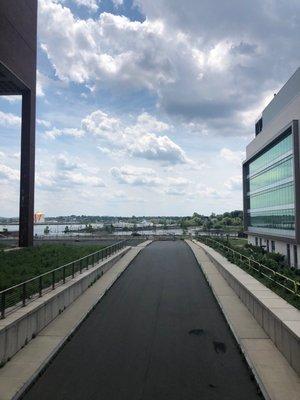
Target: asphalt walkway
x,y
157,334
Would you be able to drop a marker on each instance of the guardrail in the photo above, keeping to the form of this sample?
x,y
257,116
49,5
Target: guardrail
x,y
277,278
23,293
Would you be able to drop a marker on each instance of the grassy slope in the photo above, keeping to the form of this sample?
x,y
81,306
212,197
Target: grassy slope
x,y
17,266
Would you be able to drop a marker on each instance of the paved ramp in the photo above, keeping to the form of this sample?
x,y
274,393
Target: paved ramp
x,y
158,334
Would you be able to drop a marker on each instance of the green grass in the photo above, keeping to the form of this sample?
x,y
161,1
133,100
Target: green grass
x,y
4,246
238,242
18,266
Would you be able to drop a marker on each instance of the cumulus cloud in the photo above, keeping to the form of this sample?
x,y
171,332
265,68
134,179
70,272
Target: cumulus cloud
x,y
135,176
8,174
90,4
9,120
67,173
234,183
143,138
43,123
204,63
55,132
12,98
234,157
177,186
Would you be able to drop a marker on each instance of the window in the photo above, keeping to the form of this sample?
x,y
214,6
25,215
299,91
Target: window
x,y
295,256
256,241
272,246
258,126
269,156
288,254
271,197
260,242
274,219
268,245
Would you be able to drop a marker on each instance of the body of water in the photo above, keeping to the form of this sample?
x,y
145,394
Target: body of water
x,y
54,229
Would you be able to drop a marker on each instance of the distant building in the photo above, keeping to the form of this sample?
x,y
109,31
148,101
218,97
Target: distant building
x,y
271,176
39,217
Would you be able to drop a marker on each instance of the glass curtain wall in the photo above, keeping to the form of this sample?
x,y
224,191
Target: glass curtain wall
x,y
271,187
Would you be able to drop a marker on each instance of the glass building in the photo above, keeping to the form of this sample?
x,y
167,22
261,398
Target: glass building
x,y
271,176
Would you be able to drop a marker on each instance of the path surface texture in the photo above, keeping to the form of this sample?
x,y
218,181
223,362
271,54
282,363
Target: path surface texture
x,y
157,334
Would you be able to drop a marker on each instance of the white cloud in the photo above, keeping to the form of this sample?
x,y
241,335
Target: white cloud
x,y
78,178
64,163
160,148
135,176
43,123
234,183
55,132
41,81
234,157
211,76
141,139
209,192
92,5
8,174
65,173
118,2
9,120
12,99
102,125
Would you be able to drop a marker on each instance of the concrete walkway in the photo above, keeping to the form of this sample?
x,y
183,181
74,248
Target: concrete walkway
x,y
277,380
158,334
26,365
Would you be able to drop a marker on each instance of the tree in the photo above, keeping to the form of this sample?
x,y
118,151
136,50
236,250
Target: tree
x,y
47,230
89,228
207,225
67,230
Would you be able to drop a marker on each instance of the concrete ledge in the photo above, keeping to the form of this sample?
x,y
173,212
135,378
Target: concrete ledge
x,y
279,319
17,329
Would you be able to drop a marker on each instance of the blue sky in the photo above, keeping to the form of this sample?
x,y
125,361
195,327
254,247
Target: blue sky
x,y
145,107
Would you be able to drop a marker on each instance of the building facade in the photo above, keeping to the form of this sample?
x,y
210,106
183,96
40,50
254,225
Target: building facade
x,y
18,43
271,176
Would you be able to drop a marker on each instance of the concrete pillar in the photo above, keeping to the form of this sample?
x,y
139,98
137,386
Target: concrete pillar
x,y
27,169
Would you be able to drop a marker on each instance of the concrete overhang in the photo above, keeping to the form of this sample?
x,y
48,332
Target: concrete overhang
x,y
9,83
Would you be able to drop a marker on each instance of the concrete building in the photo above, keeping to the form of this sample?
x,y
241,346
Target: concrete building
x,y
271,176
18,25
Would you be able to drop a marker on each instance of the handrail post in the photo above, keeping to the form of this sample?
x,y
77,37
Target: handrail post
x,y
53,280
64,274
80,266
24,294
3,305
73,269
40,286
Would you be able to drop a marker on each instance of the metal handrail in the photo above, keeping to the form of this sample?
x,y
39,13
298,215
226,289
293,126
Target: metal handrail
x,y
295,284
21,294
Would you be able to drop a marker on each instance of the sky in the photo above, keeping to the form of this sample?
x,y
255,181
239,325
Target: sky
x,y
146,107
